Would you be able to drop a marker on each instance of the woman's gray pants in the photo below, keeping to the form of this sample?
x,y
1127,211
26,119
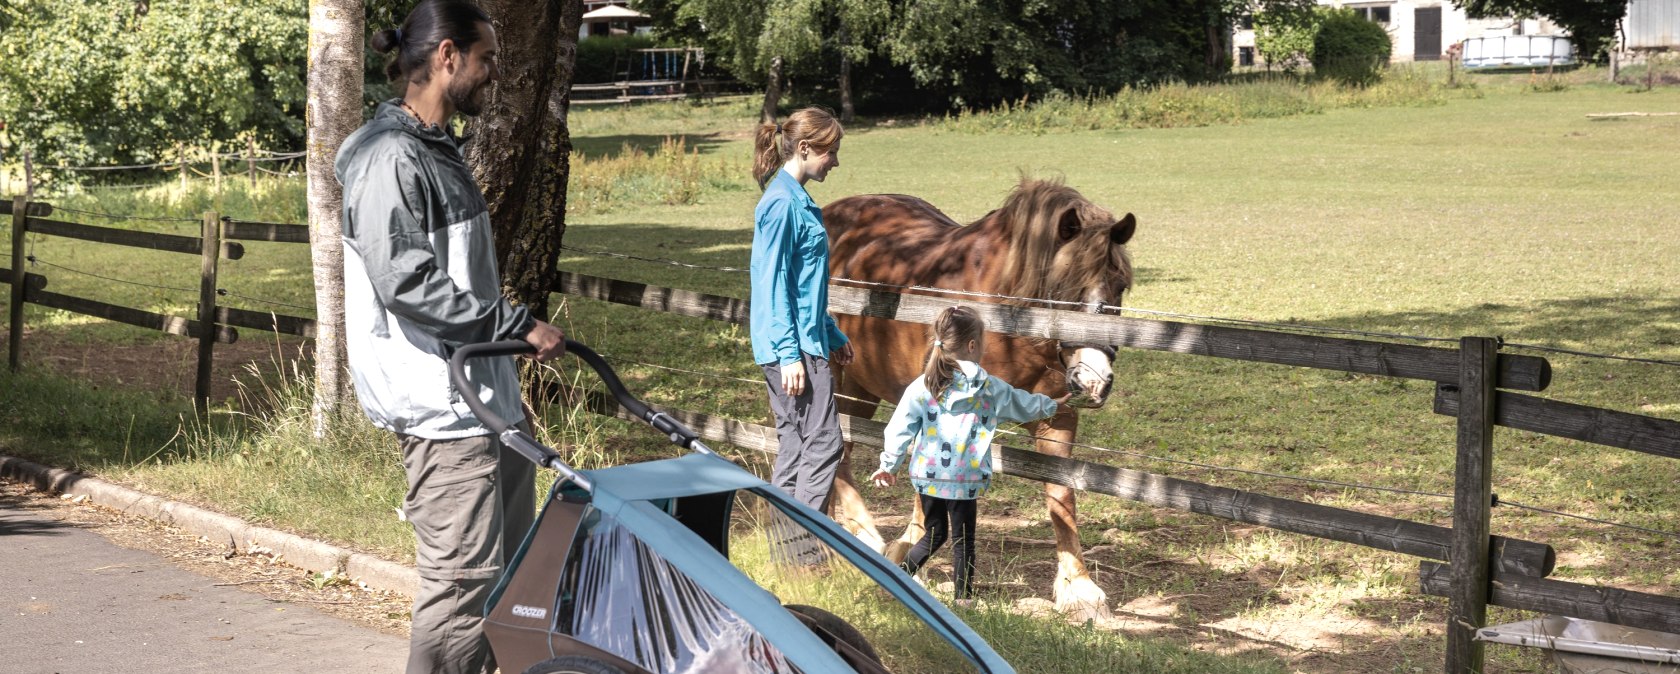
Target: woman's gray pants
x,y
807,434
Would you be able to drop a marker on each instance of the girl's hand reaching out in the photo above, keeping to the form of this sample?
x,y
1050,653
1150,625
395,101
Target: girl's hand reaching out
x,y
882,478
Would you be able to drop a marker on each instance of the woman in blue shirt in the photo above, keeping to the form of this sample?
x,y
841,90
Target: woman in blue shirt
x,y
793,337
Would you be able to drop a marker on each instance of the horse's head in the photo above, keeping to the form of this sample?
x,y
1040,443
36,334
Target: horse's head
x,y
1073,251
1094,261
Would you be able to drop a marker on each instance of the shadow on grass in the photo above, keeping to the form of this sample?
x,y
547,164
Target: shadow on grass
x,y
1643,325
76,424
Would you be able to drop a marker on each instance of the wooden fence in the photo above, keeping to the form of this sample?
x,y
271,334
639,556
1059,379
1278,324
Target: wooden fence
x,y
216,242
1482,568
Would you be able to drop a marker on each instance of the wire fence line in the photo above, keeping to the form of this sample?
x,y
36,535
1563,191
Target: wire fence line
x,y
1117,310
224,292
119,216
221,292
289,156
33,259
1199,464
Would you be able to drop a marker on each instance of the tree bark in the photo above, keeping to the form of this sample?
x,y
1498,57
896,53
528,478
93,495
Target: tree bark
x,y
846,108
772,92
521,148
334,111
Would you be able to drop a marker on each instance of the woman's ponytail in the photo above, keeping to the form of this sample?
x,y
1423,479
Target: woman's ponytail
x,y
767,157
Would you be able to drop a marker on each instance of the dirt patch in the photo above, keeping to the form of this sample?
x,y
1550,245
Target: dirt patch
x,y
164,364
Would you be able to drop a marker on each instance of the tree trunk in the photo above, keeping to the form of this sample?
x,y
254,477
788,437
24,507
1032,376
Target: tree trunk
x,y
772,92
334,111
846,109
521,148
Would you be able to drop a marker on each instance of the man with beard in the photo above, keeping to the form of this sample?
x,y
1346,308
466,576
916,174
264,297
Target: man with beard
x,y
420,279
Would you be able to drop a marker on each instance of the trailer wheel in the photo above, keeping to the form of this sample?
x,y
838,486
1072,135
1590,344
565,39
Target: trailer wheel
x,y
573,664
839,635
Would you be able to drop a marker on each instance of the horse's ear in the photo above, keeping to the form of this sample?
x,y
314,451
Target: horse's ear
x,y
1122,230
1068,225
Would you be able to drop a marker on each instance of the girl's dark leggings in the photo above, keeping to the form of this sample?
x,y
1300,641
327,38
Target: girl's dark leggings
x,y
939,517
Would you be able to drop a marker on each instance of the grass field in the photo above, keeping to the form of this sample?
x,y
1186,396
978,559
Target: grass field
x,y
1508,212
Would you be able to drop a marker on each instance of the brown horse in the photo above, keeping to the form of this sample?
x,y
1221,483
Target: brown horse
x,y
1046,242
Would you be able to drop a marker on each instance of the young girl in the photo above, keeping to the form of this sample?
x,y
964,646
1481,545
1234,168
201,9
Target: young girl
x,y
947,418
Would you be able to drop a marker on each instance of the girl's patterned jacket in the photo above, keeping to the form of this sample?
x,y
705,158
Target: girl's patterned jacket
x,y
950,437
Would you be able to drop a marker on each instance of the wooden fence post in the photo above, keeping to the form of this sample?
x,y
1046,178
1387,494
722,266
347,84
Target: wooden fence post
x,y
20,217
212,250
1472,504
181,157
216,164
251,161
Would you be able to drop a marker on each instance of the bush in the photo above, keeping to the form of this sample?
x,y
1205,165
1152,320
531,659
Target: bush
x,y
1350,48
608,59
1284,35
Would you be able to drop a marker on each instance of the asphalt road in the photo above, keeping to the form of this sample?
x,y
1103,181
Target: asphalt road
x,y
75,602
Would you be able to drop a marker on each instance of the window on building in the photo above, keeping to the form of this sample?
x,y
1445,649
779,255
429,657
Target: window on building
x,y
1377,14
1245,56
1245,22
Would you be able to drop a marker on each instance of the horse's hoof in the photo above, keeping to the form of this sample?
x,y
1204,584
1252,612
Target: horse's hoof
x,y
869,537
1081,600
897,550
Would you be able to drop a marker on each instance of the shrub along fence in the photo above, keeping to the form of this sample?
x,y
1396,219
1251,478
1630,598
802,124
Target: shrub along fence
x,y
1473,383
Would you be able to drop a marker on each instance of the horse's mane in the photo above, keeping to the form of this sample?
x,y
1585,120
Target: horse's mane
x,y
1030,214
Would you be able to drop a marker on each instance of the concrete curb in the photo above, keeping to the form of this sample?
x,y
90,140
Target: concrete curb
x,y
296,550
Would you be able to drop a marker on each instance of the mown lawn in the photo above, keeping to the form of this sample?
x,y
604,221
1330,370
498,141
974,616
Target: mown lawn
x,y
1507,213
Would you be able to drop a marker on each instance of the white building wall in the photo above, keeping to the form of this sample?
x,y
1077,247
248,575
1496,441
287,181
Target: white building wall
x,y
1402,26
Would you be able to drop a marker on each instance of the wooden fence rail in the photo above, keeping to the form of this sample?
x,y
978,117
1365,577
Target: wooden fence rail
x,y
29,217
174,325
1526,373
1495,570
174,243
30,281
1577,422
265,231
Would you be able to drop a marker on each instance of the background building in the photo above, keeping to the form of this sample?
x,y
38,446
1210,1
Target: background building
x,y
1422,30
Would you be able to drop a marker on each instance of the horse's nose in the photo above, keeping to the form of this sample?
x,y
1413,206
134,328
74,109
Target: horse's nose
x,y
1090,380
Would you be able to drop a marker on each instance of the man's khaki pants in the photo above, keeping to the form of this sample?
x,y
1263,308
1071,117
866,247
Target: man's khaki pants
x,y
471,501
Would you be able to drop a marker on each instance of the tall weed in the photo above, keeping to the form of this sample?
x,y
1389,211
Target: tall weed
x,y
1180,105
672,175
269,199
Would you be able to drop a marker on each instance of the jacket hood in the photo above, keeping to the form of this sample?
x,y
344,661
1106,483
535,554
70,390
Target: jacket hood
x,y
966,383
388,119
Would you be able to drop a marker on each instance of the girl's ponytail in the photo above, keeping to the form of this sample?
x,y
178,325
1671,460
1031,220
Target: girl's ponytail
x,y
954,326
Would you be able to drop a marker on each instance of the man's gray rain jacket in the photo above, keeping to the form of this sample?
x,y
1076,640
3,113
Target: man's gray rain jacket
x,y
420,279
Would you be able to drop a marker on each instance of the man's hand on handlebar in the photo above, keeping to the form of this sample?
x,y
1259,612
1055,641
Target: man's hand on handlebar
x,y
549,340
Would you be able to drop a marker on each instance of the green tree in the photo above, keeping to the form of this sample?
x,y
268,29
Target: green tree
x,y
116,81
1591,23
1283,32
